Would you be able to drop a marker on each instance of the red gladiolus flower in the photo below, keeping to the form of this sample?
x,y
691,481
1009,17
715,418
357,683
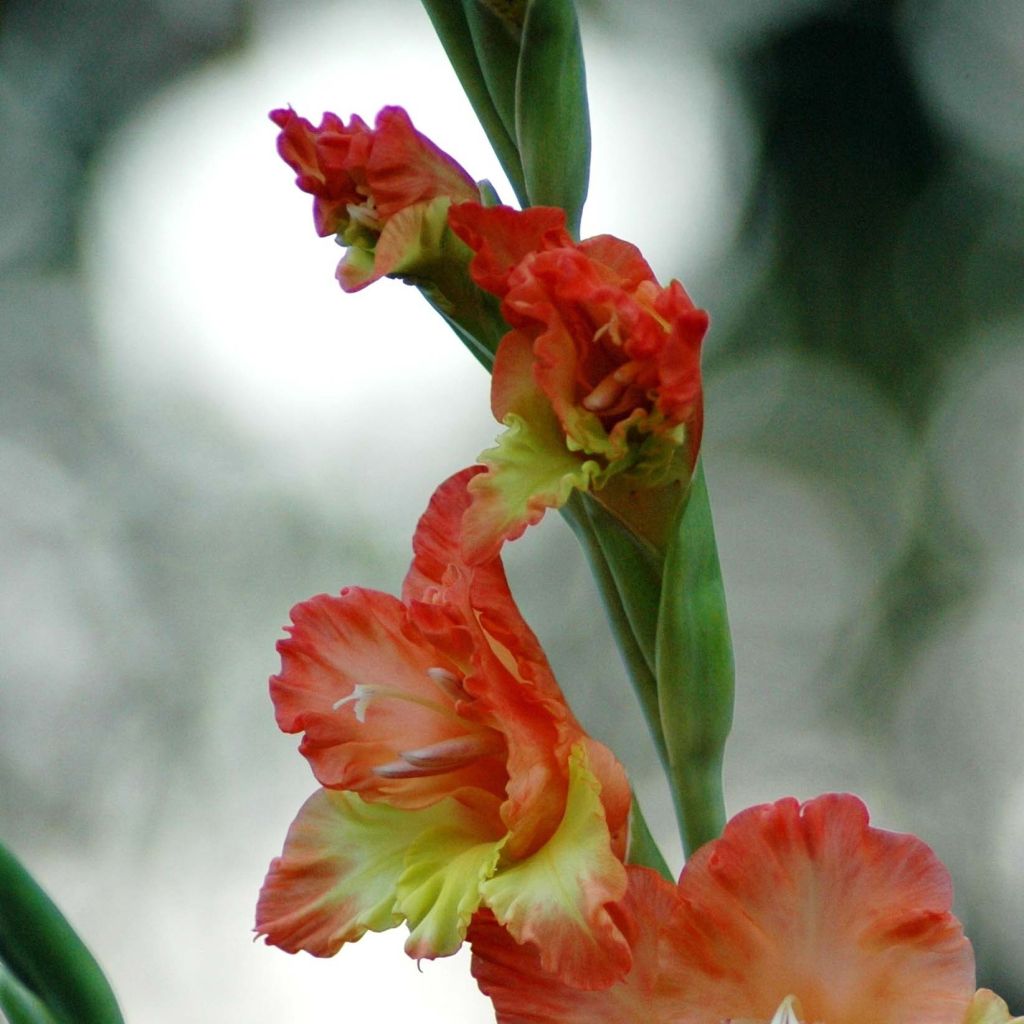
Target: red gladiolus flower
x,y
796,914
383,191
598,382
455,776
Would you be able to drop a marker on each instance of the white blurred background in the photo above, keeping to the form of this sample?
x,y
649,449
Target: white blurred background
x,y
198,429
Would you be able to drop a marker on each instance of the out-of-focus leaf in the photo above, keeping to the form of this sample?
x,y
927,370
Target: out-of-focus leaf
x,y
452,27
43,952
497,49
18,1005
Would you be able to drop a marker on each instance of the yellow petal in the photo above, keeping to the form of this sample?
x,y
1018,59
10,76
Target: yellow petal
x,y
559,898
440,890
987,1008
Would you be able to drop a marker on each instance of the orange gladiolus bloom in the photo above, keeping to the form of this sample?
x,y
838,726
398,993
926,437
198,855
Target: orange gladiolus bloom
x,y
383,191
455,776
798,913
598,382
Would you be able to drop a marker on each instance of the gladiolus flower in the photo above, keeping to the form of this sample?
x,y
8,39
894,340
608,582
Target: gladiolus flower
x,y
597,384
795,914
383,191
455,776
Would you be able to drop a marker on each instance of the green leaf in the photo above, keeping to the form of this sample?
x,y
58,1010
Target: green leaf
x,y
42,952
18,1005
452,27
552,117
496,44
695,669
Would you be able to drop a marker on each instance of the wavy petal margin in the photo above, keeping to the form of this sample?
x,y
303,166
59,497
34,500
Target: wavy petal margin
x,y
562,898
806,901
810,900
524,993
442,887
530,470
349,867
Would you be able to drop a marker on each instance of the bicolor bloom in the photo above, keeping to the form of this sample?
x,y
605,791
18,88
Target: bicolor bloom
x,y
797,914
454,775
383,191
597,383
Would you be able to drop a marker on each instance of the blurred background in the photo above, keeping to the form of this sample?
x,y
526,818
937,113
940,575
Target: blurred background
x,y
198,429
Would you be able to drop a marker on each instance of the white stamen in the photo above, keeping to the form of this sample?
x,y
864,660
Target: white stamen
x,y
361,696
439,758
605,395
787,1013
364,214
447,682
448,755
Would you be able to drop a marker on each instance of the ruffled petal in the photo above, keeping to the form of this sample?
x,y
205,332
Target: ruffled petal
x,y
624,262
524,993
563,898
811,901
323,159
409,240
806,902
512,685
405,167
337,876
365,687
349,867
441,888
502,237
529,471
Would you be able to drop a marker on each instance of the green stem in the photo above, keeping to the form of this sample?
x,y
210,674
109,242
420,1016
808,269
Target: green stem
x,y
638,666
636,570
699,801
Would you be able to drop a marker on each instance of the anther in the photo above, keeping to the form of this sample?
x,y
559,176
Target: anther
x,y
447,682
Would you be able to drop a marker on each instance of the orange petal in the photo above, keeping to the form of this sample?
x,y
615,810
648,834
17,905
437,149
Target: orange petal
x,y
564,897
513,688
405,167
358,679
804,901
502,237
349,867
524,993
811,901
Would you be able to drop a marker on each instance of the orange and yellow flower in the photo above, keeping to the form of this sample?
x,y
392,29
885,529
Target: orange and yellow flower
x,y
383,191
454,775
597,383
797,913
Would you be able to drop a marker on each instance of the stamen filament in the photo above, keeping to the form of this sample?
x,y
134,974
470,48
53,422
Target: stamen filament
x,y
362,694
447,682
